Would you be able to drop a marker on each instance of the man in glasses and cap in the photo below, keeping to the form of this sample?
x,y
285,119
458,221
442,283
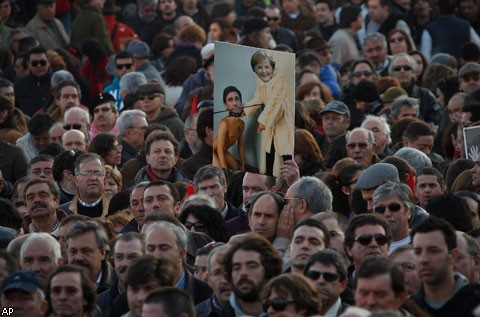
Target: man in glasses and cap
x,y
394,201
22,292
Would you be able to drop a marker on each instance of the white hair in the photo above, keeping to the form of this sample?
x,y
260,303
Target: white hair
x,y
45,237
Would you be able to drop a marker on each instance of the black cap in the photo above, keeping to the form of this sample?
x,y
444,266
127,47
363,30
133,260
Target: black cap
x,y
27,281
101,99
253,25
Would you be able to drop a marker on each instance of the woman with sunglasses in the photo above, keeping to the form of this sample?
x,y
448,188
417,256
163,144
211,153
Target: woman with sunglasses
x,y
204,219
399,41
290,293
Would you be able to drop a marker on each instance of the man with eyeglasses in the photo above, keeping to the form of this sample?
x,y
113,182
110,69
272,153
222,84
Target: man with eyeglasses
x,y
41,167
32,92
327,271
443,293
403,69
123,65
404,256
78,119
89,177
394,201
361,146
336,224
105,113
367,235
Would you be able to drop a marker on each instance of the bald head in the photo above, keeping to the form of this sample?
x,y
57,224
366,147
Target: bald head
x,y
74,140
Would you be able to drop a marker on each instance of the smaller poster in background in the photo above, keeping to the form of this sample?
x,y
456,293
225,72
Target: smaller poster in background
x,y
471,141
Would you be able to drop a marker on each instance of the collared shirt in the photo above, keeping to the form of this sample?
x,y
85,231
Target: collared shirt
x,y
225,210
332,312
84,204
181,282
99,279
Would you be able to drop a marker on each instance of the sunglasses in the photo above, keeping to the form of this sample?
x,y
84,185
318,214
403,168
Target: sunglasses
x,y
361,73
273,18
397,39
278,304
126,66
72,126
41,62
366,239
104,109
199,225
392,207
315,275
402,67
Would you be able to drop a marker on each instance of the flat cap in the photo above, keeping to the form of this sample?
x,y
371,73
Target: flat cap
x,y
376,175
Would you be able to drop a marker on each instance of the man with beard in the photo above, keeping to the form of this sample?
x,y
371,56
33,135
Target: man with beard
x,y
335,121
394,201
216,279
89,178
444,293
87,246
249,265
126,249
42,199
309,236
327,271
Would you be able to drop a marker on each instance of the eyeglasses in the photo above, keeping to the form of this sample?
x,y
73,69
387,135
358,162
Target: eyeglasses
x,y
467,78
149,97
327,276
361,73
126,66
397,39
278,304
72,126
361,145
199,225
402,67
273,19
392,207
407,266
366,239
41,62
91,173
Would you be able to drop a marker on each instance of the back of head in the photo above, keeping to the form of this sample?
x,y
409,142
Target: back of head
x,y
442,207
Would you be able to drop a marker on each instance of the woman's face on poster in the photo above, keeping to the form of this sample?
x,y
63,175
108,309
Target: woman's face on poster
x,y
264,70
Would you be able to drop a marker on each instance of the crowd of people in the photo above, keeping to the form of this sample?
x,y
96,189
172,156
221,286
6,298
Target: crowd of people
x,y
112,203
